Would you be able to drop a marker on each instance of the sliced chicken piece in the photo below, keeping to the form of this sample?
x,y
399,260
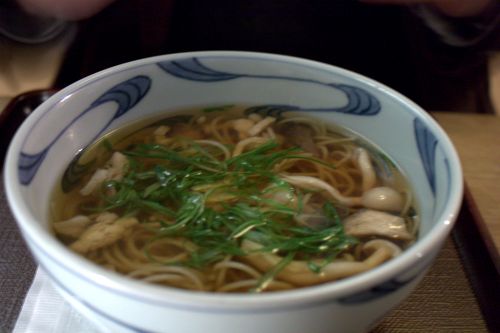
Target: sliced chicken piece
x,y
72,227
161,130
103,233
106,217
114,170
117,166
374,223
99,177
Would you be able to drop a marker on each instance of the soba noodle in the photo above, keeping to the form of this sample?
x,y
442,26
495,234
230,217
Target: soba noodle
x,y
228,202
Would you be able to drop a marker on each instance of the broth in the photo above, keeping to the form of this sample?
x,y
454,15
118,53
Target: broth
x,y
223,201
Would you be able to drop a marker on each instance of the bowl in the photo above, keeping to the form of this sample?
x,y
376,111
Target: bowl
x,y
72,118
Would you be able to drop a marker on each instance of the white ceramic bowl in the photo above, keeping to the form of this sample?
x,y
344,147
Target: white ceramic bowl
x,y
72,118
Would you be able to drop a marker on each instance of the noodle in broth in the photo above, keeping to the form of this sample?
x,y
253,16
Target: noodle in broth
x,y
228,202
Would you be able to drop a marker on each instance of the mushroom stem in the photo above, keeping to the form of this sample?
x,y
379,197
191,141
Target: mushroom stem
x,y
365,165
241,145
298,273
312,183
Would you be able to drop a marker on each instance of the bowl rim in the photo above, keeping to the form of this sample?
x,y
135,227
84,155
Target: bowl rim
x,y
44,241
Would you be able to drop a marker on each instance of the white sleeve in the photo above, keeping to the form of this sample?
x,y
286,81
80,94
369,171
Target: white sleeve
x,y
461,32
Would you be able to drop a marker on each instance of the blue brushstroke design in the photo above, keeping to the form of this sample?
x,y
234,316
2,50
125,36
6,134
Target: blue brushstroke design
x,y
385,288
126,95
192,69
426,144
29,164
359,101
271,110
376,292
448,176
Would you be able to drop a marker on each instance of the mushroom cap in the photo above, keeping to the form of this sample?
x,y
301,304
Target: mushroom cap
x,y
383,198
369,222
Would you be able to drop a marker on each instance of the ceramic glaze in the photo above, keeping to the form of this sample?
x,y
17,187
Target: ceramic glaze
x,y
271,84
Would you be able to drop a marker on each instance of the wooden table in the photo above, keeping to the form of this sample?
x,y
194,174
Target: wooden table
x,y
477,139
3,102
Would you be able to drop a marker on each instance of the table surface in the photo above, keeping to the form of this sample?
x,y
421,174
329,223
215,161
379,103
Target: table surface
x,y
443,302
475,137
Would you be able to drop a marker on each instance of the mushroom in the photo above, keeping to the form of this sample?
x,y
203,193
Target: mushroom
x,y
374,223
380,198
298,272
302,136
282,196
261,125
312,183
241,145
362,159
314,221
383,198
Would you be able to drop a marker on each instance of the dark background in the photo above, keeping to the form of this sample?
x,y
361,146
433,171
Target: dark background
x,y
387,43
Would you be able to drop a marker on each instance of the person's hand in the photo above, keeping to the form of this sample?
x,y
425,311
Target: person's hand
x,y
64,9
453,8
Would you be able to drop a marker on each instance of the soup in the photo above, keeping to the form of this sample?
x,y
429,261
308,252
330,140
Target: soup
x,y
228,201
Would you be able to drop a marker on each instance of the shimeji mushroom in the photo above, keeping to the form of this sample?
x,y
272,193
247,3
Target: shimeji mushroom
x,y
374,223
298,272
